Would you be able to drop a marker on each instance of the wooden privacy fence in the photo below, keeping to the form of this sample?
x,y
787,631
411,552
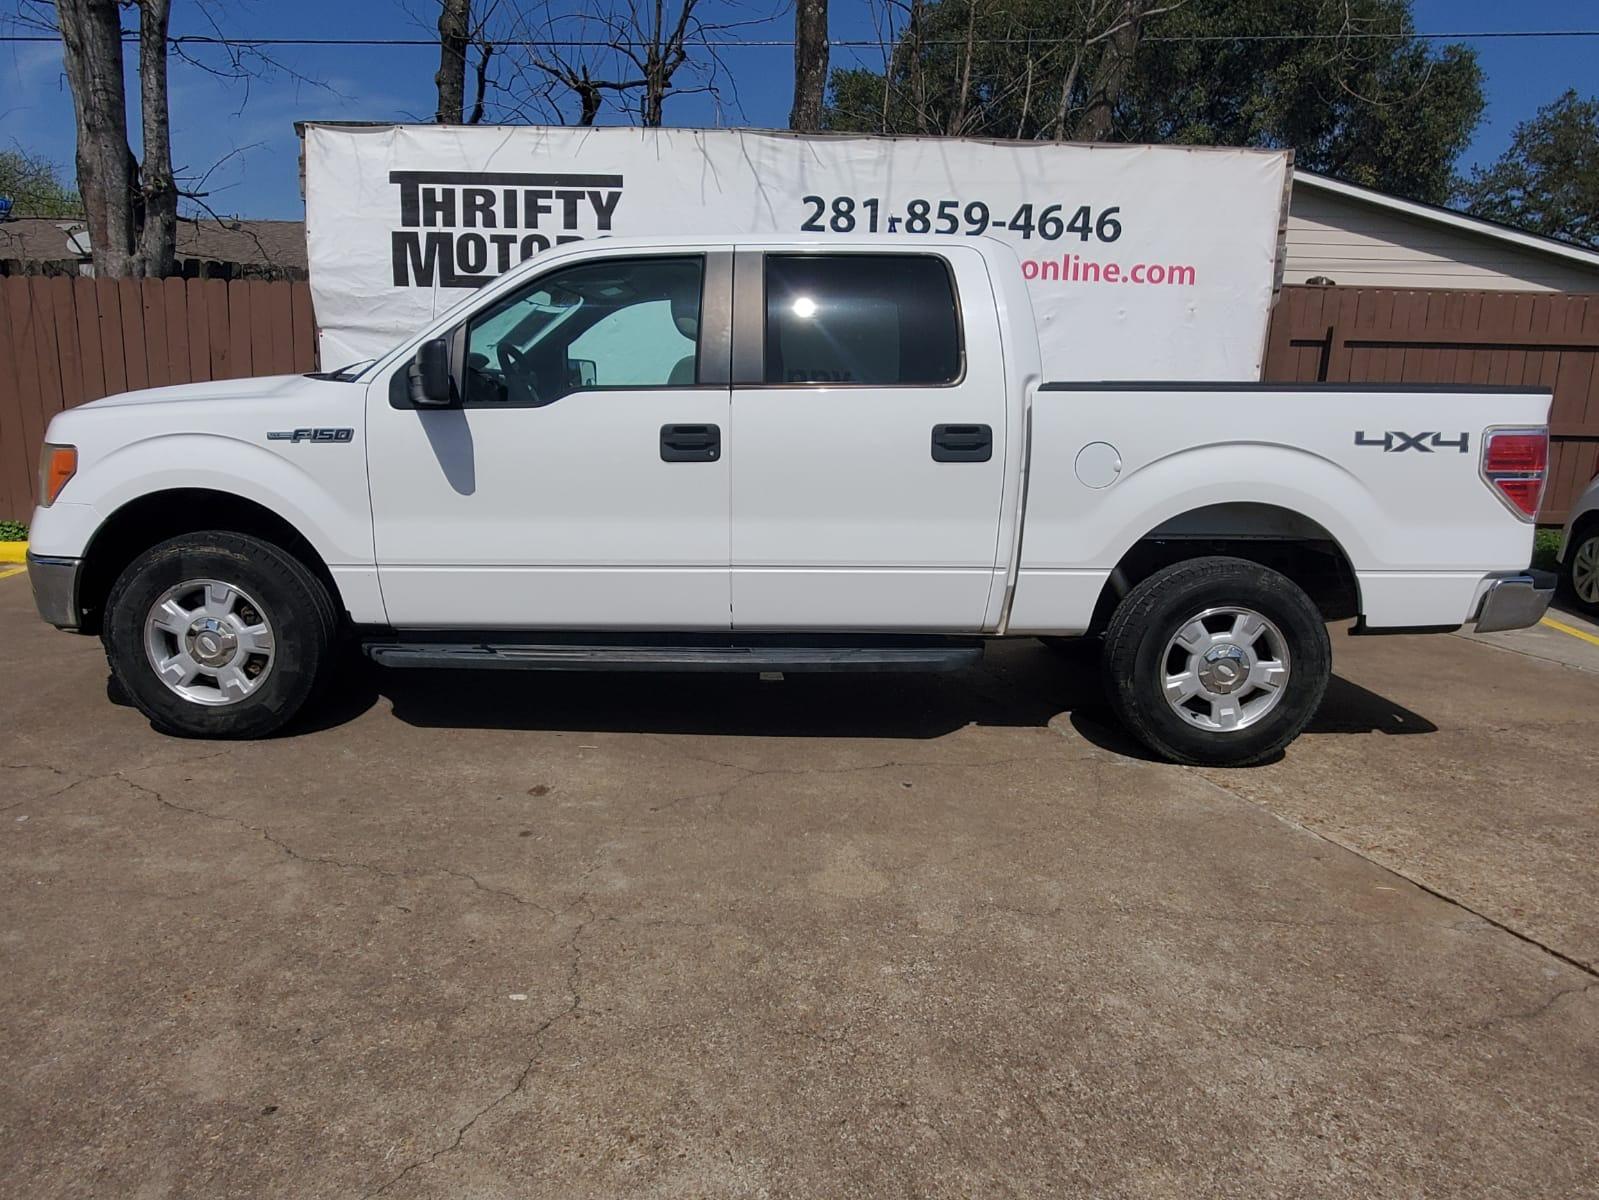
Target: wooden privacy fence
x,y
64,341
1381,335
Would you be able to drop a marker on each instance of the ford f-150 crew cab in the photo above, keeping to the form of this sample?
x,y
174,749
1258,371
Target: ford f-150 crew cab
x,y
718,453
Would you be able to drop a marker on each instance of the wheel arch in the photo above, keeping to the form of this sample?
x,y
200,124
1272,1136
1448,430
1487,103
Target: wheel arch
x,y
155,517
1581,525
1281,539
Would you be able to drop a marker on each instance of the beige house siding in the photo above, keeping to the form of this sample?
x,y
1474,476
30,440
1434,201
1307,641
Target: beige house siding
x,y
1358,244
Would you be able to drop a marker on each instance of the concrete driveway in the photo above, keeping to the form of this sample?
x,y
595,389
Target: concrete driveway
x,y
489,936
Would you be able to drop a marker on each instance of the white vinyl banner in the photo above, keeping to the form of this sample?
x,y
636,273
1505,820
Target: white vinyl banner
x,y
1144,262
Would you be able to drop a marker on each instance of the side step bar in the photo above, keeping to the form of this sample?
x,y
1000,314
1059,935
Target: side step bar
x,y
560,656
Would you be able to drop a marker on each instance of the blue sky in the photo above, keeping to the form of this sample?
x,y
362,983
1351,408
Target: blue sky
x,y
252,133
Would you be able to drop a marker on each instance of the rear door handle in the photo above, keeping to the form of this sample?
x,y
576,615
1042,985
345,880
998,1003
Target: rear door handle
x,y
962,443
691,443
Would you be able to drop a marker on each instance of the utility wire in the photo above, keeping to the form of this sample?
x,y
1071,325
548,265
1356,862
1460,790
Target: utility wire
x,y
189,39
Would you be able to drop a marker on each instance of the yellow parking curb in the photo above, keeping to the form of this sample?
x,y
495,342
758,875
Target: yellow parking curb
x,y
1576,633
13,552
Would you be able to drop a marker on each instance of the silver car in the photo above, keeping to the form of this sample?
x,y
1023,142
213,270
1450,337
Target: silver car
x,y
1579,551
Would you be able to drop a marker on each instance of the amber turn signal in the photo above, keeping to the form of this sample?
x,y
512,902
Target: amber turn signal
x,y
56,465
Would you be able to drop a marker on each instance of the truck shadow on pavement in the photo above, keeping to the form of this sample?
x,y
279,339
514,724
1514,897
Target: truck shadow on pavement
x,y
1019,684
1346,708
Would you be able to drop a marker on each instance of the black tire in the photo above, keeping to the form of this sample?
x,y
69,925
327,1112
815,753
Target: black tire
x,y
1583,537
295,604
1151,615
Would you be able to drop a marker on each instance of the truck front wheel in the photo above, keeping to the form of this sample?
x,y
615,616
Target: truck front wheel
x,y
218,635
1216,661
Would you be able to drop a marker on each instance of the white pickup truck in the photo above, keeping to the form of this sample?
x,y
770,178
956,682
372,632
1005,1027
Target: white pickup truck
x,y
713,454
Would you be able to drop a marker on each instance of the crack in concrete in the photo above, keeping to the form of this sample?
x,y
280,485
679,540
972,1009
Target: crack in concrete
x,y
573,1007
56,771
264,834
289,851
83,779
1516,650
514,897
1586,968
1435,1035
35,767
1172,914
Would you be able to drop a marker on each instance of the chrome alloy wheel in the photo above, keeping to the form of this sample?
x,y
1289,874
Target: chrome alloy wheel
x,y
1225,669
209,642
1585,569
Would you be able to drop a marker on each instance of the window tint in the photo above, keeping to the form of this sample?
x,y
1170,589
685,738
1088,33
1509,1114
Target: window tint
x,y
612,324
861,318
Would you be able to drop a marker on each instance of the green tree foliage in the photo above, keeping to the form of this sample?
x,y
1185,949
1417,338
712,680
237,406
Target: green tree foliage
x,y
1548,180
35,188
1390,112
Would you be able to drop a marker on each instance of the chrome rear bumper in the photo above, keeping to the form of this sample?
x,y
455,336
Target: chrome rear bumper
x,y
55,588
1516,601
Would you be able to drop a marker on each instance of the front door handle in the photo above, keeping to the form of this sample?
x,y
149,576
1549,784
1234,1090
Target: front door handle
x,y
691,443
962,443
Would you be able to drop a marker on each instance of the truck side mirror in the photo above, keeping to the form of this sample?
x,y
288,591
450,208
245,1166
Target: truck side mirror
x,y
430,374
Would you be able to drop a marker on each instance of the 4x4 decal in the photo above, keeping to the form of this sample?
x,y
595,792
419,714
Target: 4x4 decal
x,y
1393,441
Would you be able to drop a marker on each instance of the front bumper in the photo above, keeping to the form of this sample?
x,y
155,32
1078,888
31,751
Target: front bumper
x,y
1516,601
55,588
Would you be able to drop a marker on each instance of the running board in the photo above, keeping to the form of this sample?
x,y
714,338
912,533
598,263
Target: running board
x,y
555,656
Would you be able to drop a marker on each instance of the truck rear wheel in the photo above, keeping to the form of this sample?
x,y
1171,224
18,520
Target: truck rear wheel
x,y
1216,661
218,635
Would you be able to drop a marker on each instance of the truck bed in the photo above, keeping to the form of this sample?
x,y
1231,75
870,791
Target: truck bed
x,y
1392,475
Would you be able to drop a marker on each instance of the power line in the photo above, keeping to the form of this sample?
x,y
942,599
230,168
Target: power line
x,y
188,39
1464,36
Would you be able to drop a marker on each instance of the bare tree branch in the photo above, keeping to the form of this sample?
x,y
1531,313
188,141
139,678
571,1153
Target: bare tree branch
x,y
629,53
485,52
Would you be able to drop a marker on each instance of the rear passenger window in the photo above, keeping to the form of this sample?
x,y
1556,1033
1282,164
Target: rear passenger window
x,y
862,319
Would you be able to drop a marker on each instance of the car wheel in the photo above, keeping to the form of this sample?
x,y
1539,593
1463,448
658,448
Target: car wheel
x,y
1216,661
1581,569
218,635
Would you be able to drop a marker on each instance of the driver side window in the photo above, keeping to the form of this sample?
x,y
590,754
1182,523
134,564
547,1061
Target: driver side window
x,y
616,323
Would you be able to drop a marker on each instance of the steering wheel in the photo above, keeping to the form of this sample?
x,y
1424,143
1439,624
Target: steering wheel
x,y
521,384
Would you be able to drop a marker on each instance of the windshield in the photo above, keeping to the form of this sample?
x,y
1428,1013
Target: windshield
x,y
460,305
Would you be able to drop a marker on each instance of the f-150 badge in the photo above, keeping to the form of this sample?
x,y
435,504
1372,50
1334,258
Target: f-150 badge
x,y
1393,441
311,435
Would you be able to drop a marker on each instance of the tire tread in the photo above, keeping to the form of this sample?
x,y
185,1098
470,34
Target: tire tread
x,y
1130,624
169,713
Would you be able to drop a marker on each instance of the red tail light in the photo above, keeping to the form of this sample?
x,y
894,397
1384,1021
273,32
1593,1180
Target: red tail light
x,y
1514,463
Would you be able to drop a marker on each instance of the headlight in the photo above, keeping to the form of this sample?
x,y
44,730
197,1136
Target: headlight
x,y
57,464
